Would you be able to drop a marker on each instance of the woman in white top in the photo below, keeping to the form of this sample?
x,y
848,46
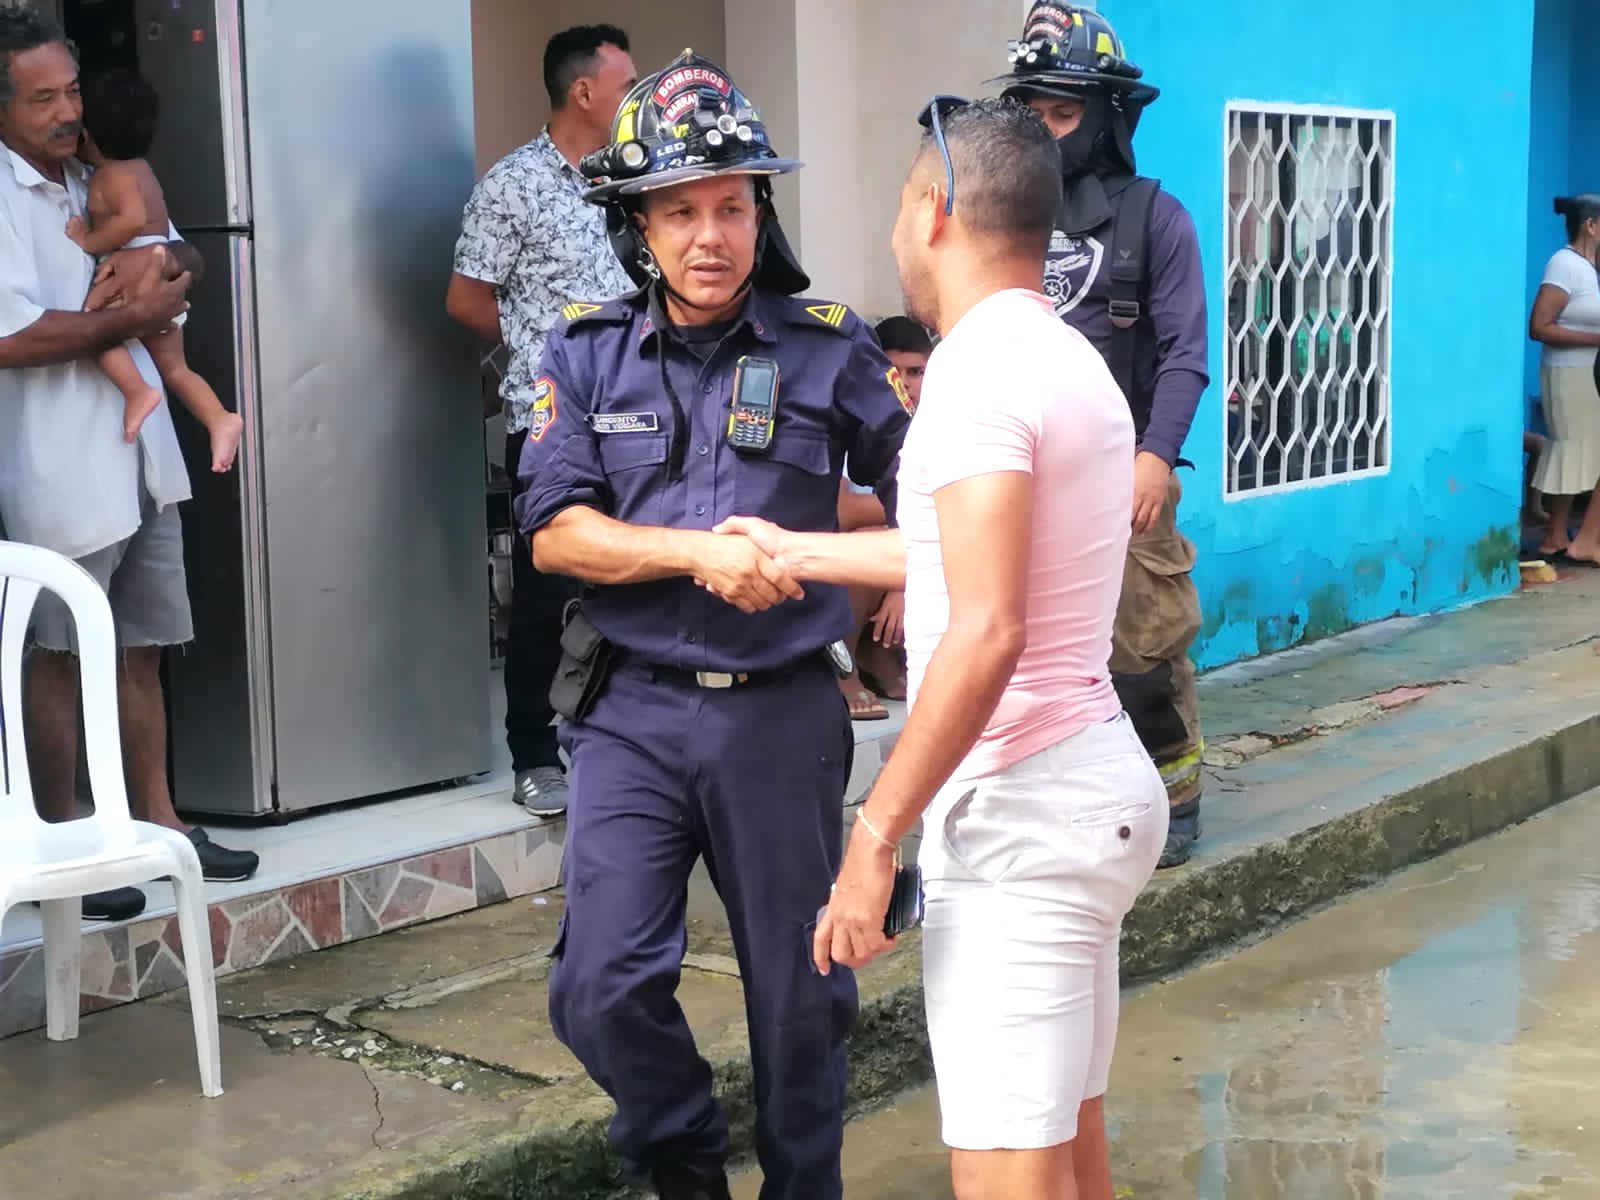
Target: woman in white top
x,y
1566,320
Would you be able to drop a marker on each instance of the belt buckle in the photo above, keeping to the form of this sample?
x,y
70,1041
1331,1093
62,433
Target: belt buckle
x,y
714,679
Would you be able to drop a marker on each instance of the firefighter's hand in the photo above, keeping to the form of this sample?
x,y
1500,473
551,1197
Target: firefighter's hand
x,y
1150,478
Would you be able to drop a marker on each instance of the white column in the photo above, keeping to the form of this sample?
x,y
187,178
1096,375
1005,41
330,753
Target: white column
x,y
840,83
910,51
761,59
832,81
799,60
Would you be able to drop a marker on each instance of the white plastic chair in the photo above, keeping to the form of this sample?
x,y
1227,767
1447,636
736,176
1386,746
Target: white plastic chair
x,y
57,864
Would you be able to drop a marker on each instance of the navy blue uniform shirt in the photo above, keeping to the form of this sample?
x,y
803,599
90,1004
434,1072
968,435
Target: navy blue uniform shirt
x,y
600,436
1077,276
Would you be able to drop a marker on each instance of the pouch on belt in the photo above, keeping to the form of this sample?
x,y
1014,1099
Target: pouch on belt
x,y
586,660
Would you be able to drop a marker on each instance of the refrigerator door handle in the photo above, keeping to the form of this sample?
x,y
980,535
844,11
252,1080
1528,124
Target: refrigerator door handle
x,y
253,519
231,96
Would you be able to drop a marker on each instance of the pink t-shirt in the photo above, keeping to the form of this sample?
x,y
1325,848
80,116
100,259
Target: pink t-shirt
x,y
1012,388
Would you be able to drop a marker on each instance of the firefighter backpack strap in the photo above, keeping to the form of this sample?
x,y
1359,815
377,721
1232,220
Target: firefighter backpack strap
x,y
1130,262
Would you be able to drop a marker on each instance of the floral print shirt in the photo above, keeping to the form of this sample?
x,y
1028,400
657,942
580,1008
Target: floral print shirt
x,y
528,231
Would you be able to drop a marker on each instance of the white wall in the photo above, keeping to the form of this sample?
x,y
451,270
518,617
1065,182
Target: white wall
x,y
508,38
761,58
839,83
829,63
910,51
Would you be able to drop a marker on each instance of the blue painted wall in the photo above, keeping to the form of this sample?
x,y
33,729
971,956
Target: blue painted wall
x,y
1440,529
1584,52
1551,148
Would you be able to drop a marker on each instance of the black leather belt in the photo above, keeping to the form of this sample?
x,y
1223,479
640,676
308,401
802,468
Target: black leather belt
x,y
716,680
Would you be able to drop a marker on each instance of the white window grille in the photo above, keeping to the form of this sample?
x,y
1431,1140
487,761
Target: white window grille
x,y
1310,230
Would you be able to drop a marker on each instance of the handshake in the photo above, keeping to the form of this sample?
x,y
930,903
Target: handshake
x,y
748,563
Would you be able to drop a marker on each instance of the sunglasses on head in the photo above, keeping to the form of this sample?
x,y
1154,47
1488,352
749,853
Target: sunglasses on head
x,y
933,118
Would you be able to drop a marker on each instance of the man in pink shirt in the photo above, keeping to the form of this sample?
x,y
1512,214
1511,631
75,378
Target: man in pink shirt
x,y
1043,816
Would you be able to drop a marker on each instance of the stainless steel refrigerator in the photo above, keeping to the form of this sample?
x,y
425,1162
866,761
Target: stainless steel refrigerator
x,y
317,153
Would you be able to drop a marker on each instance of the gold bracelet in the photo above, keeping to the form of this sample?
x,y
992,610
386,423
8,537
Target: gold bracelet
x,y
861,816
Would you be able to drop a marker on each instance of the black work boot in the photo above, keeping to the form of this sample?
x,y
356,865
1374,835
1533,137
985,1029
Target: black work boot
x,y
691,1183
1183,831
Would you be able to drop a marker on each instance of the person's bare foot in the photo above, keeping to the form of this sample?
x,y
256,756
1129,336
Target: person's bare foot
x,y
225,431
882,669
863,704
137,409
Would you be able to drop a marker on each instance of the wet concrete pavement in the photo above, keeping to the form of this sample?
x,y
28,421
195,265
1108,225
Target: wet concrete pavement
x,y
420,1065
1436,1037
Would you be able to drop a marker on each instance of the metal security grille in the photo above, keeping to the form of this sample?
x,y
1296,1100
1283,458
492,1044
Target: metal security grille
x,y
1310,224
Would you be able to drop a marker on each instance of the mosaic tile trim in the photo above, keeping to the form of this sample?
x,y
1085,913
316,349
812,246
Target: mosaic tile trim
x,y
145,958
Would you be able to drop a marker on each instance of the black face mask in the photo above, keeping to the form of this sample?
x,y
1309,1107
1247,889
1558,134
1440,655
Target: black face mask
x,y
1081,149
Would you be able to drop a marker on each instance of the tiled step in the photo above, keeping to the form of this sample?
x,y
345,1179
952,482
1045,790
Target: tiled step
x,y
331,878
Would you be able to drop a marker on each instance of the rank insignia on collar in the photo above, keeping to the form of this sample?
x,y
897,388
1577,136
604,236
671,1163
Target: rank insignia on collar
x,y
829,314
576,309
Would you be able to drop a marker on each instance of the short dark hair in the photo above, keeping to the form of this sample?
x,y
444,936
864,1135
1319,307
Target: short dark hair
x,y
903,335
1008,172
1579,211
22,29
570,55
119,112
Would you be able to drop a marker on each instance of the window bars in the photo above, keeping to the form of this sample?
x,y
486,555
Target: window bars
x,y
1309,272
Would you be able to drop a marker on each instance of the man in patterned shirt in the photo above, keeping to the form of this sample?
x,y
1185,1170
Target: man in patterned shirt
x,y
529,245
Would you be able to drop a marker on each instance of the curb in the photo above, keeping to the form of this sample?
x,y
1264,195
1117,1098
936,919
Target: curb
x,y
1201,911
1248,895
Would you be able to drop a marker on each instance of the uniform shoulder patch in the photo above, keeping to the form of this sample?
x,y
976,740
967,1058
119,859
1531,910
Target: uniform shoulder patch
x,y
543,414
900,392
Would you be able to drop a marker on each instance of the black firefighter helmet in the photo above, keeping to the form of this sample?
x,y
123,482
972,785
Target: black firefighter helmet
x,y
688,122
1073,52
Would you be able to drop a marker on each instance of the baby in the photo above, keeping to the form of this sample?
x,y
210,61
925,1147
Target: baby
x,y
127,210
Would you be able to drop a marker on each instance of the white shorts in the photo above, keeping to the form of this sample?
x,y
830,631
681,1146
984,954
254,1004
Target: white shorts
x,y
1029,873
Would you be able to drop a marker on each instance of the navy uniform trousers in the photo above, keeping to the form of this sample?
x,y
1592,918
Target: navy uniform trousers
x,y
753,778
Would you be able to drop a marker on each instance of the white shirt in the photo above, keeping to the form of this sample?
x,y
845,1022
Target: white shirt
x,y
1574,275
68,481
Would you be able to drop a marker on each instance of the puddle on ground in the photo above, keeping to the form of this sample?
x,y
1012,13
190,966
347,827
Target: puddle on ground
x,y
1436,1037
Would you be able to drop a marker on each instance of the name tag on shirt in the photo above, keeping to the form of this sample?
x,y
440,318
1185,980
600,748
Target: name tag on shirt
x,y
630,422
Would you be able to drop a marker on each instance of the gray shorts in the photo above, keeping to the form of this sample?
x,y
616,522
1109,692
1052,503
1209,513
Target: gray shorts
x,y
143,576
